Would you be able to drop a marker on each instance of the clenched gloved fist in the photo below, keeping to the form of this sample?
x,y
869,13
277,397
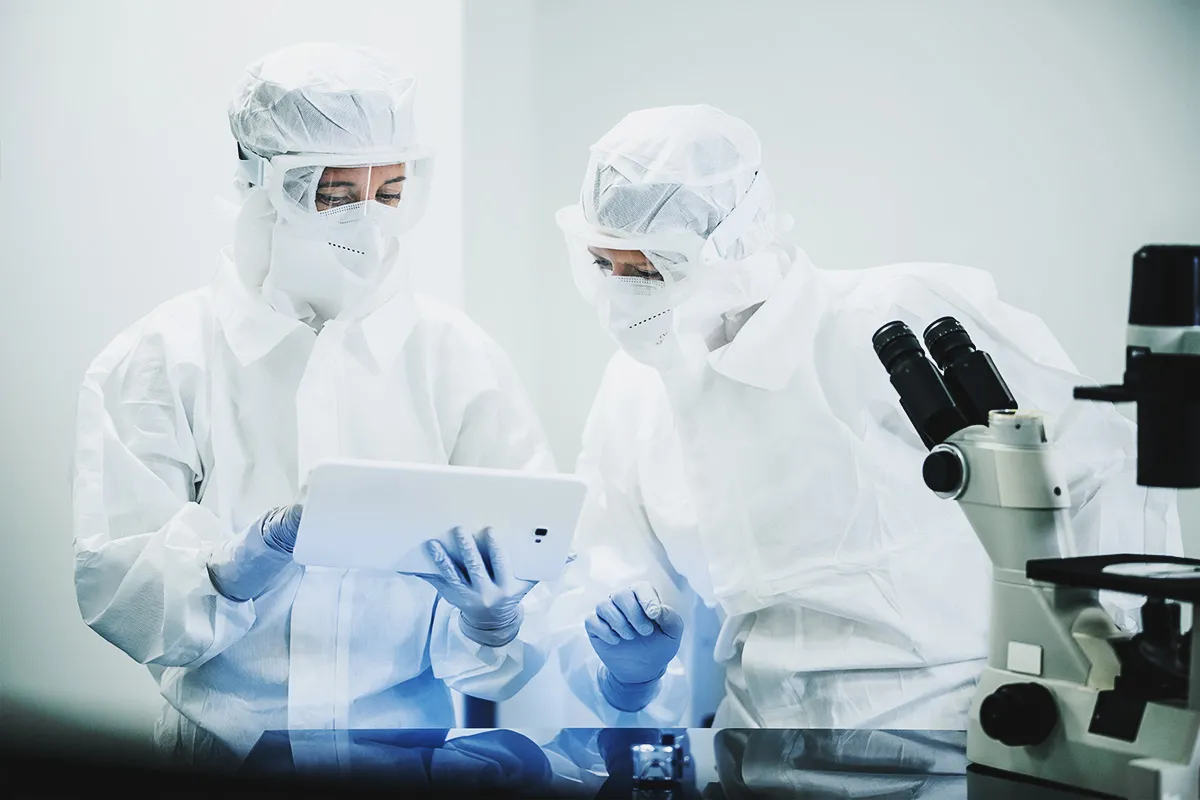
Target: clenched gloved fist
x,y
636,636
477,581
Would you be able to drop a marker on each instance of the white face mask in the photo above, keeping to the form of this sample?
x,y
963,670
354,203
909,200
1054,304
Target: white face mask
x,y
638,314
318,272
668,326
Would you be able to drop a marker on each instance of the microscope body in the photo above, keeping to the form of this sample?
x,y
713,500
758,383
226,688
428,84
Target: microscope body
x,y
1067,697
1049,704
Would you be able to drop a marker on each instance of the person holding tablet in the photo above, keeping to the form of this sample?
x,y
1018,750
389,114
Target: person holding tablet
x,y
198,424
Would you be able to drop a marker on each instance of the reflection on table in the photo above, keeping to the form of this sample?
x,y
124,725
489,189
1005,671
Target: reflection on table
x,y
638,762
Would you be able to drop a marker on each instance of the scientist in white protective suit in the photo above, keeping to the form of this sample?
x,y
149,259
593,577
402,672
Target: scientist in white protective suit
x,y
198,425
747,444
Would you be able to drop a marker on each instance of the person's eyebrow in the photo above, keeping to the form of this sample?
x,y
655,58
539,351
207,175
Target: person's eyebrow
x,y
336,184
396,179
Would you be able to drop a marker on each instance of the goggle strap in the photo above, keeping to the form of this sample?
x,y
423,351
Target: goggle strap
x,y
739,219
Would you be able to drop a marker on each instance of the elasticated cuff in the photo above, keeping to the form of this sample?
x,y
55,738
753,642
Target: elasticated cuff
x,y
493,634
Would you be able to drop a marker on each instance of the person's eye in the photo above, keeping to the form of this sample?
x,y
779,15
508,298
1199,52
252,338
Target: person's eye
x,y
333,201
388,198
650,275
603,263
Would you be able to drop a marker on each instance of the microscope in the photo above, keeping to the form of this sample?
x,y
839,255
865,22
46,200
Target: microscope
x,y
1067,697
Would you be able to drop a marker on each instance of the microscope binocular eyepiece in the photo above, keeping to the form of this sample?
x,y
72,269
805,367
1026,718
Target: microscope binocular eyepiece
x,y
960,390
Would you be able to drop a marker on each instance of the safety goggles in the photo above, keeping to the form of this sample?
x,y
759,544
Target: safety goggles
x,y
600,259
682,259
318,190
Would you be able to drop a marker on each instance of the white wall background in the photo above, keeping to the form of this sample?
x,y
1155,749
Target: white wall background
x,y
1042,140
113,144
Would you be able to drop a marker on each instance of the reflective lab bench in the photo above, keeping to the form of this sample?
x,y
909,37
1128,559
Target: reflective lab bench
x,y
640,762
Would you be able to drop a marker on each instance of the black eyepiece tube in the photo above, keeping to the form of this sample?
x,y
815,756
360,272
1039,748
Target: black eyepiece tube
x,y
970,375
923,394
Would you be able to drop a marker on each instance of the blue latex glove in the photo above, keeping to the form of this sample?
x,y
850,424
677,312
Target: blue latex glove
x,y
476,580
636,636
279,528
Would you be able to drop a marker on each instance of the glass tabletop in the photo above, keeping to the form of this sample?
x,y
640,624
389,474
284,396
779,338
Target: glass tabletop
x,y
644,762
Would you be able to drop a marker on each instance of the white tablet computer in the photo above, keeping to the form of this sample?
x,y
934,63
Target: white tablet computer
x,y
377,515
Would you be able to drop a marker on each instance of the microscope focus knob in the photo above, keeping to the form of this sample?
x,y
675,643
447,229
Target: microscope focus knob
x,y
945,471
1019,714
